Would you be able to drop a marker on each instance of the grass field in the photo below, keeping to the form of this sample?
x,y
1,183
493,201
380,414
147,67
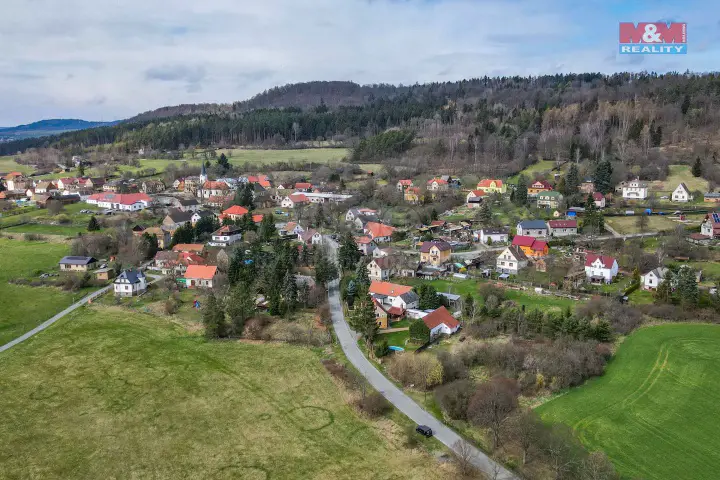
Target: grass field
x,y
239,156
104,394
541,168
628,225
678,174
24,307
43,229
652,410
8,164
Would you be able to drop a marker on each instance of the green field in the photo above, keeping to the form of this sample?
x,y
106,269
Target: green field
x,y
43,229
679,174
104,394
628,225
541,168
238,156
652,411
8,164
24,307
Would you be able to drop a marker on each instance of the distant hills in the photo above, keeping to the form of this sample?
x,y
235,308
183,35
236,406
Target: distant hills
x,y
45,128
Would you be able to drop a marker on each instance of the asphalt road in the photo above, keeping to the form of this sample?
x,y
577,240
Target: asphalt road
x,y
395,395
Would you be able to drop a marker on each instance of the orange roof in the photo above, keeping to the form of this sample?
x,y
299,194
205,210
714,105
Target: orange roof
x,y
438,317
440,181
362,240
486,182
379,230
389,289
203,272
235,210
405,183
303,185
189,247
215,186
477,193
189,258
413,190
298,198
12,175
257,218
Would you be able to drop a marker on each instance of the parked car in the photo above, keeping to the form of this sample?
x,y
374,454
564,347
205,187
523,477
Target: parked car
x,y
424,430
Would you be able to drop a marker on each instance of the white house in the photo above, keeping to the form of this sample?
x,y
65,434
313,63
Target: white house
x,y
213,189
681,194
494,235
366,245
225,236
129,202
511,260
437,184
635,190
310,237
401,296
600,268
599,199
653,278
562,228
201,276
292,201
129,283
380,269
440,322
532,228
200,214
354,213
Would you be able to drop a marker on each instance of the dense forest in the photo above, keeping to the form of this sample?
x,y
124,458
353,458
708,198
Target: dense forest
x,y
490,125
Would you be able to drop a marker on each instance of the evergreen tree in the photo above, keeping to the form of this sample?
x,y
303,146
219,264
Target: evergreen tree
x,y
149,245
572,180
362,276
325,269
214,318
240,307
81,170
468,306
601,331
687,287
351,293
419,332
663,293
290,292
685,106
362,319
206,225
603,177
521,191
697,169
484,215
319,216
342,185
348,253
267,229
183,234
244,196
93,225
223,162
429,298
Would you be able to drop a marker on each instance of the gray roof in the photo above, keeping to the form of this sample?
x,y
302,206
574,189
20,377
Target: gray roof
x,y
495,231
179,216
204,213
410,297
187,201
534,224
132,276
77,260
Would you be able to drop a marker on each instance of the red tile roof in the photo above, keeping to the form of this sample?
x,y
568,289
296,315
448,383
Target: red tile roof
x,y
606,261
541,184
598,196
215,186
298,198
376,230
257,218
438,317
477,193
189,247
523,241
121,198
440,181
363,240
442,245
303,185
389,289
486,182
235,210
405,183
562,223
203,272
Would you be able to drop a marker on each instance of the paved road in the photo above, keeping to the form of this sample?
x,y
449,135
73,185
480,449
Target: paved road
x,y
395,395
60,315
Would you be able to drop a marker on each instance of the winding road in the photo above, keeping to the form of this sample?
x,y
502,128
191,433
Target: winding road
x,y
348,342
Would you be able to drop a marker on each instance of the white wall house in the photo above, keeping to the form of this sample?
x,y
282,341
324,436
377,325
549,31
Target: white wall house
x,y
653,278
681,194
400,296
225,236
511,260
128,202
532,228
130,283
379,269
635,190
495,235
600,268
441,322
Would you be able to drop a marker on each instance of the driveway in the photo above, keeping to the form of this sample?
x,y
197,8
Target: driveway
x,y
348,342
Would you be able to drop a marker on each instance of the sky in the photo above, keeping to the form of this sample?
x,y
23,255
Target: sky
x,y
112,59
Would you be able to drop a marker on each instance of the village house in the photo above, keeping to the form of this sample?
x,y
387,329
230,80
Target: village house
x,y
234,213
652,279
187,204
474,198
435,252
441,322
130,202
362,220
176,218
380,269
711,225
129,283
385,315
45,187
532,247
401,296
225,236
366,245
219,201
491,185
492,235
549,199
15,181
189,247
152,186
94,183
511,260
303,187
262,180
600,268
77,264
163,236
213,189
200,214
293,228
62,183
681,194
310,237
325,197
403,184
635,190
354,213
562,228
711,197
539,186
379,232
413,195
437,185
532,228
104,274
292,201
599,199
200,276
587,186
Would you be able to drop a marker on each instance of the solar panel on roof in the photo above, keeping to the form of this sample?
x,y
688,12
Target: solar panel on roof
x,y
716,218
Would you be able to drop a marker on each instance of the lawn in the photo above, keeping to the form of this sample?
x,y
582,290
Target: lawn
x,y
265,157
542,168
43,229
652,410
23,307
628,225
678,174
104,394
8,164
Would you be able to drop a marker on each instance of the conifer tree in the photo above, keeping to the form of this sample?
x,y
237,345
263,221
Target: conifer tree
x,y
93,225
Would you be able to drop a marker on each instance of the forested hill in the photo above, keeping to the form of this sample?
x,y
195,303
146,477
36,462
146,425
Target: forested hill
x,y
47,127
494,125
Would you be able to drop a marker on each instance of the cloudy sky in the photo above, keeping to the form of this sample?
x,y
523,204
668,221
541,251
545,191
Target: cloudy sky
x,y
111,59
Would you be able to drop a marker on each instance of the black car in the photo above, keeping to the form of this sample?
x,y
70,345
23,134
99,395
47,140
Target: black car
x,y
424,430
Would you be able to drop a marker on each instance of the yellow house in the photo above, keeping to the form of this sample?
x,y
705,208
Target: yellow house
x,y
412,195
436,252
488,185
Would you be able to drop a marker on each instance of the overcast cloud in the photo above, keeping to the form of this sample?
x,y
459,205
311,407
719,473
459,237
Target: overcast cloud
x,y
111,59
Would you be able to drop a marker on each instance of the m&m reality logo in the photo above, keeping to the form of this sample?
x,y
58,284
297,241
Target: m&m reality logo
x,y
655,38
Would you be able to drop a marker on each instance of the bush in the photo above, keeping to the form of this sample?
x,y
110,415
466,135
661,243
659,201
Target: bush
x,y
453,366
419,332
454,398
33,237
381,349
296,334
64,220
255,327
171,306
422,371
374,405
341,372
